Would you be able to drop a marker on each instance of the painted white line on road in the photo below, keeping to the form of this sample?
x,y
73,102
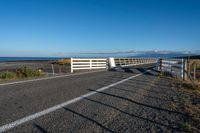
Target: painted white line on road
x,y
31,80
59,106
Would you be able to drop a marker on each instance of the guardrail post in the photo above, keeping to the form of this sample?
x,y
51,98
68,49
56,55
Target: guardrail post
x,y
90,64
184,69
52,69
160,64
71,65
195,66
112,62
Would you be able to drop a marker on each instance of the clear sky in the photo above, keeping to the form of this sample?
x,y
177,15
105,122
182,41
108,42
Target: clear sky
x,y
58,27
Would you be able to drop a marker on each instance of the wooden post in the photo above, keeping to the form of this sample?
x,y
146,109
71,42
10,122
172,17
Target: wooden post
x,y
52,69
90,64
160,64
185,69
195,67
71,65
189,67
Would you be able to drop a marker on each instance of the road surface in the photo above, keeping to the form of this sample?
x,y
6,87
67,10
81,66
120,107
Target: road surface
x,y
132,100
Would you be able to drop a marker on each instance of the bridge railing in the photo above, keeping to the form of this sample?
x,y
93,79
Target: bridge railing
x,y
126,62
86,63
103,63
175,67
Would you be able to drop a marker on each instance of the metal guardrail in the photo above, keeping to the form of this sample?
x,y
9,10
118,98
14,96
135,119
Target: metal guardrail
x,y
174,66
84,64
126,62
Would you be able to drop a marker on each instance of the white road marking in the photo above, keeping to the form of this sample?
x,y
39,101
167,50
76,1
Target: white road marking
x,y
31,80
59,106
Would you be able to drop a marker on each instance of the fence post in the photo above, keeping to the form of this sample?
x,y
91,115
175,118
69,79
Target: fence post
x,y
195,71
184,69
112,62
160,64
71,64
52,69
90,64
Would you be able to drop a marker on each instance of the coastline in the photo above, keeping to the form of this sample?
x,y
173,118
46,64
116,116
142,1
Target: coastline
x,y
29,59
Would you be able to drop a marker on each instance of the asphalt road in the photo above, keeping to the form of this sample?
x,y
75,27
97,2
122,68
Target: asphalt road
x,y
111,102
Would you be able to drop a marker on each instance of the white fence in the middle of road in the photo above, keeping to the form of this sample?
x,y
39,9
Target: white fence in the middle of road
x,y
83,64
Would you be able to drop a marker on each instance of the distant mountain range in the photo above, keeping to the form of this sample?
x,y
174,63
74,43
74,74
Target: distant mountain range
x,y
170,55
142,54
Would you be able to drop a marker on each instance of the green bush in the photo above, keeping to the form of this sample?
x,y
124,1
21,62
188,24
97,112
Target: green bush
x,y
7,75
25,72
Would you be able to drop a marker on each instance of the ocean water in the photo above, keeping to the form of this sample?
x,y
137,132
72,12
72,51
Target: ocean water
x,y
4,59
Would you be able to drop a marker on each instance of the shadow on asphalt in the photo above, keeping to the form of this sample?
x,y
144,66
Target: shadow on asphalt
x,y
138,103
140,84
40,128
169,126
132,115
135,92
136,70
90,119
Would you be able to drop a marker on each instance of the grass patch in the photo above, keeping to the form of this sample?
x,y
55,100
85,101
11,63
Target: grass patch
x,y
26,72
166,74
186,126
190,104
7,75
20,73
63,62
190,86
172,106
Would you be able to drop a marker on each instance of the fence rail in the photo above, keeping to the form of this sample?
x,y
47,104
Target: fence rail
x,y
126,62
193,68
186,69
84,64
174,66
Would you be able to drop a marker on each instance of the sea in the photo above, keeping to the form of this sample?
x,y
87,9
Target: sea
x,y
6,59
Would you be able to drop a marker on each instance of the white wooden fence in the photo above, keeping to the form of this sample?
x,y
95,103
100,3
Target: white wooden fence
x,y
176,67
103,63
126,62
83,63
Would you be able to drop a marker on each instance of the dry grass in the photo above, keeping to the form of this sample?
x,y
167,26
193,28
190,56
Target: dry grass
x,y
190,100
63,62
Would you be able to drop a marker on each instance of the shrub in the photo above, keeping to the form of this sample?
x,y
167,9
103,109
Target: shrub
x,y
7,75
186,126
166,74
63,62
25,72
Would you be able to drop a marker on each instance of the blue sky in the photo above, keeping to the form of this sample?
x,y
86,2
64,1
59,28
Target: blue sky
x,y
60,27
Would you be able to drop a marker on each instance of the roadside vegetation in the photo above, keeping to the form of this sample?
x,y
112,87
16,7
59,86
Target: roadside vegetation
x,y
188,102
20,73
63,62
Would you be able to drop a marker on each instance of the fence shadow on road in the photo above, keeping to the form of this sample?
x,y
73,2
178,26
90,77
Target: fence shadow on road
x,y
129,114
135,92
138,103
90,119
41,129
